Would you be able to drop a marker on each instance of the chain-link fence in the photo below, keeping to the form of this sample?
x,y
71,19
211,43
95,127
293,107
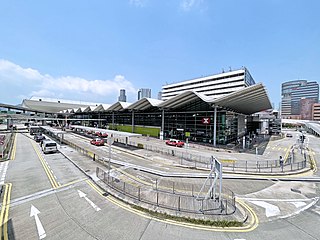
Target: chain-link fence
x,y
178,196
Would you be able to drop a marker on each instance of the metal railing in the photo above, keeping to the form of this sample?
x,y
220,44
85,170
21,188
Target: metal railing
x,y
168,194
6,145
173,195
292,161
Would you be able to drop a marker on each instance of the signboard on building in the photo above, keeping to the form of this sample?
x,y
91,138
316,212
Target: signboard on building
x,y
206,120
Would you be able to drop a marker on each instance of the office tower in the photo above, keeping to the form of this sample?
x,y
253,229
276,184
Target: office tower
x,y
122,97
144,93
294,95
217,85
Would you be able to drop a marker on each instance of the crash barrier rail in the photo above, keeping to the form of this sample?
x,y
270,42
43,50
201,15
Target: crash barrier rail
x,y
170,195
294,160
5,144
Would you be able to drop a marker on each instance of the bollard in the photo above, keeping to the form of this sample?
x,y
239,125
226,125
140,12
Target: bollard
x,y
139,194
157,198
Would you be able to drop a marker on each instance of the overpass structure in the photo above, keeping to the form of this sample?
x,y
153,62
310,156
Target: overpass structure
x,y
312,127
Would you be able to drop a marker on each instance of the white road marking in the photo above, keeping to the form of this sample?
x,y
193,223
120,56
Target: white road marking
x,y
271,210
83,195
4,168
34,213
315,200
298,204
316,210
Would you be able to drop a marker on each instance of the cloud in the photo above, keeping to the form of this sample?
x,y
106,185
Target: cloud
x,y
187,5
30,82
137,3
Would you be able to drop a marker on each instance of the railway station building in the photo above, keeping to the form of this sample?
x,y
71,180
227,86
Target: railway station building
x,y
214,110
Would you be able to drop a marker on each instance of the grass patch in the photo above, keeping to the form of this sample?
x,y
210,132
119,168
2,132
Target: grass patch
x,y
218,223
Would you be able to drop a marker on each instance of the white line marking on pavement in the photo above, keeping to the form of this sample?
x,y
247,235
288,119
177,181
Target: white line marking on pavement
x,y
34,213
83,195
315,200
271,210
279,200
4,172
298,204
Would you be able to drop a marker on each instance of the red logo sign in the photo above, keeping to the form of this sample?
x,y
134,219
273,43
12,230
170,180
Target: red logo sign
x,y
206,120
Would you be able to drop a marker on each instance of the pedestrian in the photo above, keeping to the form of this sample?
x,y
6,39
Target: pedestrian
x,y
281,161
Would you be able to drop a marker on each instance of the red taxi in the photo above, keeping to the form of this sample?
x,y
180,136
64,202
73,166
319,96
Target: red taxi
x,y
97,142
175,143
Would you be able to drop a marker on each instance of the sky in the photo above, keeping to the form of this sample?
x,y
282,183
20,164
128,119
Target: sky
x,y
89,50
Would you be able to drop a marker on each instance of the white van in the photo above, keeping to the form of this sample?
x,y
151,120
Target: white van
x,y
49,146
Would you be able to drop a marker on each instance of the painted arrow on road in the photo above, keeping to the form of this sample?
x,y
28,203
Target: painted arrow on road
x,y
34,213
83,195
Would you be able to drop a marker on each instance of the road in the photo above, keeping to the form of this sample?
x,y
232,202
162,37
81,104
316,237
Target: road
x,y
51,183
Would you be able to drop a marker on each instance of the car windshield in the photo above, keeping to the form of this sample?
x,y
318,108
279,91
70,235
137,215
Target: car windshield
x,y
51,144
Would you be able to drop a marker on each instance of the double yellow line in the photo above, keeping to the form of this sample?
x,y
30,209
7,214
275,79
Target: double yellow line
x,y
14,148
253,224
45,166
4,215
312,161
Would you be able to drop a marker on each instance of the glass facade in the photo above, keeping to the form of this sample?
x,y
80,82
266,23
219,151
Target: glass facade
x,y
293,92
193,121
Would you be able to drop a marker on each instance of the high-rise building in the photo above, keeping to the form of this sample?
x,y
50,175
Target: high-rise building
x,y
122,97
316,112
293,92
217,85
144,93
159,95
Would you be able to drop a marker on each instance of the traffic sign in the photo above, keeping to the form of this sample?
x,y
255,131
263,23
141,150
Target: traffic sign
x,y
206,120
110,141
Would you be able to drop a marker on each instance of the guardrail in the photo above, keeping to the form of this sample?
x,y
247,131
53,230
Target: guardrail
x,y
168,195
292,161
6,145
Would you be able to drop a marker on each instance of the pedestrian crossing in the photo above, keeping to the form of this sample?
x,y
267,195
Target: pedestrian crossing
x,y
277,148
3,171
284,149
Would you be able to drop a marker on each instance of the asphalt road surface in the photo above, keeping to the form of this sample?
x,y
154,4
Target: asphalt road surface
x,y
47,197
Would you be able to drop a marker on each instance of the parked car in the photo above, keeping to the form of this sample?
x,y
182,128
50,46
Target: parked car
x,y
97,142
289,135
39,137
175,143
